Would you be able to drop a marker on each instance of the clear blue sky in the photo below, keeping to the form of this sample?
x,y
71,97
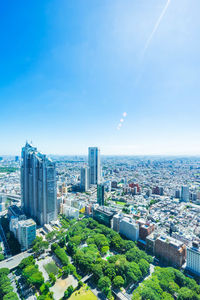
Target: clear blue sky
x,y
70,69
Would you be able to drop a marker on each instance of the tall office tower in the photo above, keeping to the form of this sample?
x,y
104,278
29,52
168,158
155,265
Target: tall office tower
x,y
185,196
177,194
38,185
100,194
85,179
94,165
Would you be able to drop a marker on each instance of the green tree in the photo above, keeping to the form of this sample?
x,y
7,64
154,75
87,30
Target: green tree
x,y
76,240
144,266
84,261
133,272
110,271
10,296
60,253
97,271
52,278
50,236
80,284
33,275
26,262
4,271
104,284
173,287
117,243
104,250
66,271
44,289
68,292
101,241
39,245
118,281
148,293
5,286
71,248
186,294
167,296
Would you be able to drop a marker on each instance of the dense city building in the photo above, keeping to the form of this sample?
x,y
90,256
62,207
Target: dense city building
x,y
26,233
69,212
145,230
100,194
103,215
85,179
170,250
24,230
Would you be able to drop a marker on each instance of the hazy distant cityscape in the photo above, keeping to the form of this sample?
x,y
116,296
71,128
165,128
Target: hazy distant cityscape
x,y
152,201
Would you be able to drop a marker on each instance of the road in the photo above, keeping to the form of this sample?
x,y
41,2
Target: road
x,y
86,278
14,261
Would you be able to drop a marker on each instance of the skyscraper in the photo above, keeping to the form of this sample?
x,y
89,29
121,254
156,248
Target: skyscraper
x,y
38,185
94,165
100,194
185,196
85,179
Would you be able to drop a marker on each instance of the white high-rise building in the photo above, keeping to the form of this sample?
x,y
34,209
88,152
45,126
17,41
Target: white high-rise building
x,y
38,186
94,165
185,195
70,212
193,258
85,179
129,228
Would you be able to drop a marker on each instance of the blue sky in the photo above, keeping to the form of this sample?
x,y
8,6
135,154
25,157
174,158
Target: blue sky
x,y
70,69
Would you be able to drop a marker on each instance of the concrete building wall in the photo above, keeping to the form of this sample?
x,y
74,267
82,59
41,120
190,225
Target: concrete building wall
x,y
170,250
193,260
129,229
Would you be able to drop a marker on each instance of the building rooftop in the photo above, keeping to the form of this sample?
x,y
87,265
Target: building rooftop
x,y
105,210
173,242
27,223
15,210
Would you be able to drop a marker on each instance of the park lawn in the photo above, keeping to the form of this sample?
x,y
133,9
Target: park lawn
x,y
51,268
84,295
120,203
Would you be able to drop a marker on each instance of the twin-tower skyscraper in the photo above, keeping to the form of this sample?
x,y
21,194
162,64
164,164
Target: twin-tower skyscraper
x,y
38,186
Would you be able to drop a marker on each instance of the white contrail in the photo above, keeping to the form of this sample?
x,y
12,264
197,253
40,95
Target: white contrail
x,y
156,27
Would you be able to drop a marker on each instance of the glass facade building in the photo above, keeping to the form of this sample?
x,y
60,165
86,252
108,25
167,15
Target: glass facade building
x,y
38,185
94,165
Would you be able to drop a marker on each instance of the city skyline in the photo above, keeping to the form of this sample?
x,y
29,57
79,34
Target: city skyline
x,y
122,75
